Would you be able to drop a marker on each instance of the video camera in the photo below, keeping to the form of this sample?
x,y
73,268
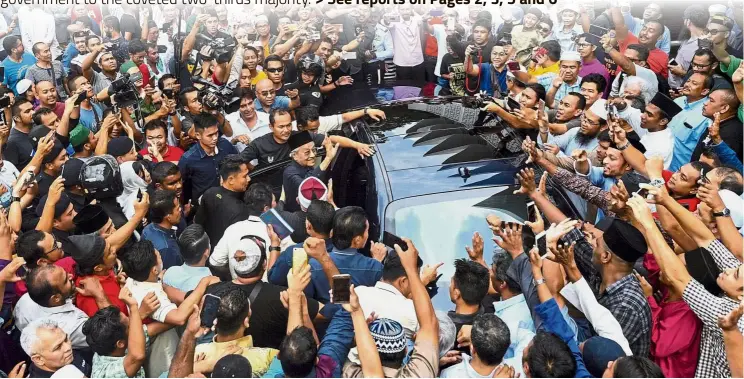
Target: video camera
x,y
124,91
477,101
222,48
214,97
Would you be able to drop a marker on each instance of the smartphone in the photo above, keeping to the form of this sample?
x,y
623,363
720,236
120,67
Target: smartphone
x,y
135,77
139,195
642,192
541,51
390,240
672,62
81,97
209,311
162,49
299,259
512,66
341,289
166,26
542,247
292,27
597,30
169,93
339,28
31,178
513,104
531,211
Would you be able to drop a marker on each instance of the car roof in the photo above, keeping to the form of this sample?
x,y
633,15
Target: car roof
x,y
431,148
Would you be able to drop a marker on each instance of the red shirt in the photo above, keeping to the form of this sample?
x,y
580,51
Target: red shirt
x,y
145,75
67,264
657,59
172,154
691,203
110,288
431,48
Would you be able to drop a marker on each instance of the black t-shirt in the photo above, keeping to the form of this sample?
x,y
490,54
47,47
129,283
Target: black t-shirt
x,y
220,208
129,24
456,69
266,150
459,320
311,96
268,322
44,181
19,149
290,71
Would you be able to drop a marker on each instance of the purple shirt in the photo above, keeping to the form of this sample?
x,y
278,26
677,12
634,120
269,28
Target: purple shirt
x,y
596,67
10,295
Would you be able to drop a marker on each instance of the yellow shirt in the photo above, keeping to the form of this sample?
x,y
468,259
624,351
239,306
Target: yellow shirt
x,y
539,70
259,75
259,357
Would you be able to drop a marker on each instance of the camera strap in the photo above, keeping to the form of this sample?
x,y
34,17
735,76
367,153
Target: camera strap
x,y
95,117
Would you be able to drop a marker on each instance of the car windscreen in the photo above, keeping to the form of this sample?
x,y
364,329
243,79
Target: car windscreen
x,y
441,225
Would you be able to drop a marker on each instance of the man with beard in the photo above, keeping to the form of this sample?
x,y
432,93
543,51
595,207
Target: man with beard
x,y
584,137
691,123
247,124
721,107
491,76
705,62
525,37
652,12
651,125
113,36
198,164
304,154
268,100
566,117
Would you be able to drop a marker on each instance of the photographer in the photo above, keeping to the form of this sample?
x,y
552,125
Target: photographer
x,y
91,113
113,37
169,88
106,62
491,77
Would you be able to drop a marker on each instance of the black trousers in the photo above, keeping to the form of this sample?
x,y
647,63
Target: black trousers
x,y
430,63
417,72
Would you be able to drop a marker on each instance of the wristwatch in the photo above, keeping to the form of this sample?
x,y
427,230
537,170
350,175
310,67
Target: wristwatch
x,y
538,281
658,183
724,213
18,199
623,147
275,248
366,110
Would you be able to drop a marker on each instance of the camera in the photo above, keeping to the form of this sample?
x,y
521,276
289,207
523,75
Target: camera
x,y
5,101
475,102
214,97
222,48
111,47
124,91
476,52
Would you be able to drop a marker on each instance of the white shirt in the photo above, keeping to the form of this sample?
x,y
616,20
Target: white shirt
x,y
581,296
407,42
641,72
464,370
69,317
141,289
387,302
240,128
230,241
8,173
38,26
327,124
659,144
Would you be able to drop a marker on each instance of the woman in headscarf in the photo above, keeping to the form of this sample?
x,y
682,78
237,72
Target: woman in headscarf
x,y
135,178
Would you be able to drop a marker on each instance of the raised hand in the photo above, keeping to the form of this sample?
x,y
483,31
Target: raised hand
x,y
729,321
476,252
90,287
510,239
708,194
379,251
353,304
315,247
297,282
429,273
556,231
562,254
714,130
125,295
150,303
648,291
641,212
527,181
9,273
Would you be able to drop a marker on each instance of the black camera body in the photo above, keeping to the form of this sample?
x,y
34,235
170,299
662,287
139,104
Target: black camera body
x,y
124,91
473,102
222,48
219,98
475,53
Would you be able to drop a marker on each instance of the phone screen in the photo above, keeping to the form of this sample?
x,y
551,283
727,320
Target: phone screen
x,y
531,211
542,247
513,66
209,312
672,62
341,289
513,104
390,240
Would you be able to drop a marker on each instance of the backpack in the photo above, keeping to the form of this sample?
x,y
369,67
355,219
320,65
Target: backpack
x,y
101,177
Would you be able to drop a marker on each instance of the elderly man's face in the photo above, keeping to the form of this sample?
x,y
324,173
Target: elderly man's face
x,y
632,90
305,155
53,349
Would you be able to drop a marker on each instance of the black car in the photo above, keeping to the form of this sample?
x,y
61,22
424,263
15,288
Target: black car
x,y
434,177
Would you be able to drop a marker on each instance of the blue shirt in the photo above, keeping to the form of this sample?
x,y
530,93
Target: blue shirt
x,y
16,71
70,53
278,272
200,171
685,139
279,102
728,156
364,271
185,277
88,119
164,240
516,314
487,79
553,321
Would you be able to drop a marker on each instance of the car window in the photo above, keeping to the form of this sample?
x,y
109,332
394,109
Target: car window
x,y
442,225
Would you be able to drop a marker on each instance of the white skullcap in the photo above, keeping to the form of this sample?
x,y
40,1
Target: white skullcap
x,y
571,56
598,108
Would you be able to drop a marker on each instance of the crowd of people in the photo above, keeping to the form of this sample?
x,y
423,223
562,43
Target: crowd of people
x,y
134,243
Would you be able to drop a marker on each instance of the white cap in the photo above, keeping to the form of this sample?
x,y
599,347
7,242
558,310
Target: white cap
x,y
69,371
599,109
571,56
23,85
570,7
251,246
734,204
717,9
261,19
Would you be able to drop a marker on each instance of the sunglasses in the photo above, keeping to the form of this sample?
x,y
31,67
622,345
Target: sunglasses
x,y
268,93
274,70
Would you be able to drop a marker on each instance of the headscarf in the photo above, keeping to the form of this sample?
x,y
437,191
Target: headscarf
x,y
132,184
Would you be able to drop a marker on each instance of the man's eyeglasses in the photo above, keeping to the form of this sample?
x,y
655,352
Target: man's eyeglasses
x,y
268,93
583,45
274,70
502,54
716,31
700,66
588,121
56,245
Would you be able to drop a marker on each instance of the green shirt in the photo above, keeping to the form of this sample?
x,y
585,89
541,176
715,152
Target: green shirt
x,y
113,367
729,70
